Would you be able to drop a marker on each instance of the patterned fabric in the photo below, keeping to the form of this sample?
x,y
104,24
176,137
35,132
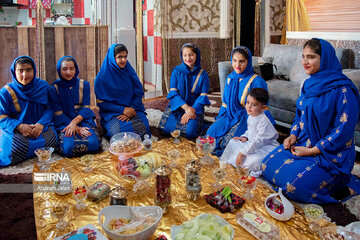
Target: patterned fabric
x,y
171,121
326,116
77,145
137,124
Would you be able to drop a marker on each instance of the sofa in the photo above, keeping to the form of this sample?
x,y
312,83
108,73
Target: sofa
x,y
289,75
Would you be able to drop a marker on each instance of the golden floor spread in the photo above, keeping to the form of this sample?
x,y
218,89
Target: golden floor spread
x,y
181,209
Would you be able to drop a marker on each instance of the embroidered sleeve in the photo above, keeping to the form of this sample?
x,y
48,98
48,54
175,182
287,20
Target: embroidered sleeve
x,y
340,137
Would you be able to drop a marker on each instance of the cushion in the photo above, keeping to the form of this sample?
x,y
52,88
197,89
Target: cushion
x,y
283,94
283,56
297,73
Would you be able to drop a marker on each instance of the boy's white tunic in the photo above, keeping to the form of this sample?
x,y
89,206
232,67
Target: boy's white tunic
x,y
261,136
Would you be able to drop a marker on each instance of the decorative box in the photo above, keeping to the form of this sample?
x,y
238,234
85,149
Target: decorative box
x,y
98,191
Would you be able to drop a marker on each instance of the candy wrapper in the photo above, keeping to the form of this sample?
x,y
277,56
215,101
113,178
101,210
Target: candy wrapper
x,y
216,200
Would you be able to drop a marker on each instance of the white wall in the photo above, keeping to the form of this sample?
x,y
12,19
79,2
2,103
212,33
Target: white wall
x,y
119,16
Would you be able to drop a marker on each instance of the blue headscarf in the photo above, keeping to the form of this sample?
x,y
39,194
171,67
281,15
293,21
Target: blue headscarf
x,y
183,67
249,70
329,77
36,91
118,85
64,85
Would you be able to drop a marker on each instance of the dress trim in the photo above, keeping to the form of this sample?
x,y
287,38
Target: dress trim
x,y
245,92
81,91
58,113
14,98
2,116
197,80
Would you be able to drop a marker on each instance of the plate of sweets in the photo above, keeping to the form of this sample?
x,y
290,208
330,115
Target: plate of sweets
x,y
125,144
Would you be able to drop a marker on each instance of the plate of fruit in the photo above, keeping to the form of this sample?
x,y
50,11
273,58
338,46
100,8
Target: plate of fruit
x,y
137,169
134,168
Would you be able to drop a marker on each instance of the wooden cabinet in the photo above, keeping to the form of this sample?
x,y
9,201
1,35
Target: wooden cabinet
x,y
87,44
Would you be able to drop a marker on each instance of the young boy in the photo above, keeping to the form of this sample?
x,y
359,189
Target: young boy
x,y
259,139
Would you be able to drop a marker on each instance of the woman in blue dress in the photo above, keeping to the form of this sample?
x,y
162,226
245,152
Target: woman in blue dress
x,y
74,120
232,118
189,85
317,158
26,121
119,94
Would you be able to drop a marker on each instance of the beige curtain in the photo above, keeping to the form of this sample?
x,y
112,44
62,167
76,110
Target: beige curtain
x,y
139,42
296,17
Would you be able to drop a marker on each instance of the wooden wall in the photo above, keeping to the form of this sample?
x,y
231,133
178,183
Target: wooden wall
x,y
87,44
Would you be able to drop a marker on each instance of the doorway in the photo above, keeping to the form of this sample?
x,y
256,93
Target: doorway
x,y
247,24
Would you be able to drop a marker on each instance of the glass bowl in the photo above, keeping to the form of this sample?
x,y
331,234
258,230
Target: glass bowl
x,y
206,145
125,145
135,169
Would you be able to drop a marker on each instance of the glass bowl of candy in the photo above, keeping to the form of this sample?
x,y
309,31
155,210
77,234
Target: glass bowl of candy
x,y
136,169
206,145
125,144
44,157
249,183
332,233
59,210
314,213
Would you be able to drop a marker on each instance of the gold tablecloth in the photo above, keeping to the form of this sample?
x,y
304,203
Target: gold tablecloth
x,y
181,209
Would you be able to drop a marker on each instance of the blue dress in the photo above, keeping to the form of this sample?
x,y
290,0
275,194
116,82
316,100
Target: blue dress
x,y
68,100
27,104
115,89
326,115
232,118
186,87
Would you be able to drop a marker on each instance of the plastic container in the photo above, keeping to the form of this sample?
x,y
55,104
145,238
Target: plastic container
x,y
117,211
257,225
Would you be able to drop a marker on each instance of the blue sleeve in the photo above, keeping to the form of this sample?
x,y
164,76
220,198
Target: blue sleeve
x,y
202,99
342,134
110,107
85,110
61,119
175,99
47,117
223,108
6,122
295,128
138,94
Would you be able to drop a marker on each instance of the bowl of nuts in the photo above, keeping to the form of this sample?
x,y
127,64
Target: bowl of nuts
x,y
44,157
125,145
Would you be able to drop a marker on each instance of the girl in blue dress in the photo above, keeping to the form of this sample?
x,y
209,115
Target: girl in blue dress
x,y
26,121
119,94
74,120
317,158
189,85
232,118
